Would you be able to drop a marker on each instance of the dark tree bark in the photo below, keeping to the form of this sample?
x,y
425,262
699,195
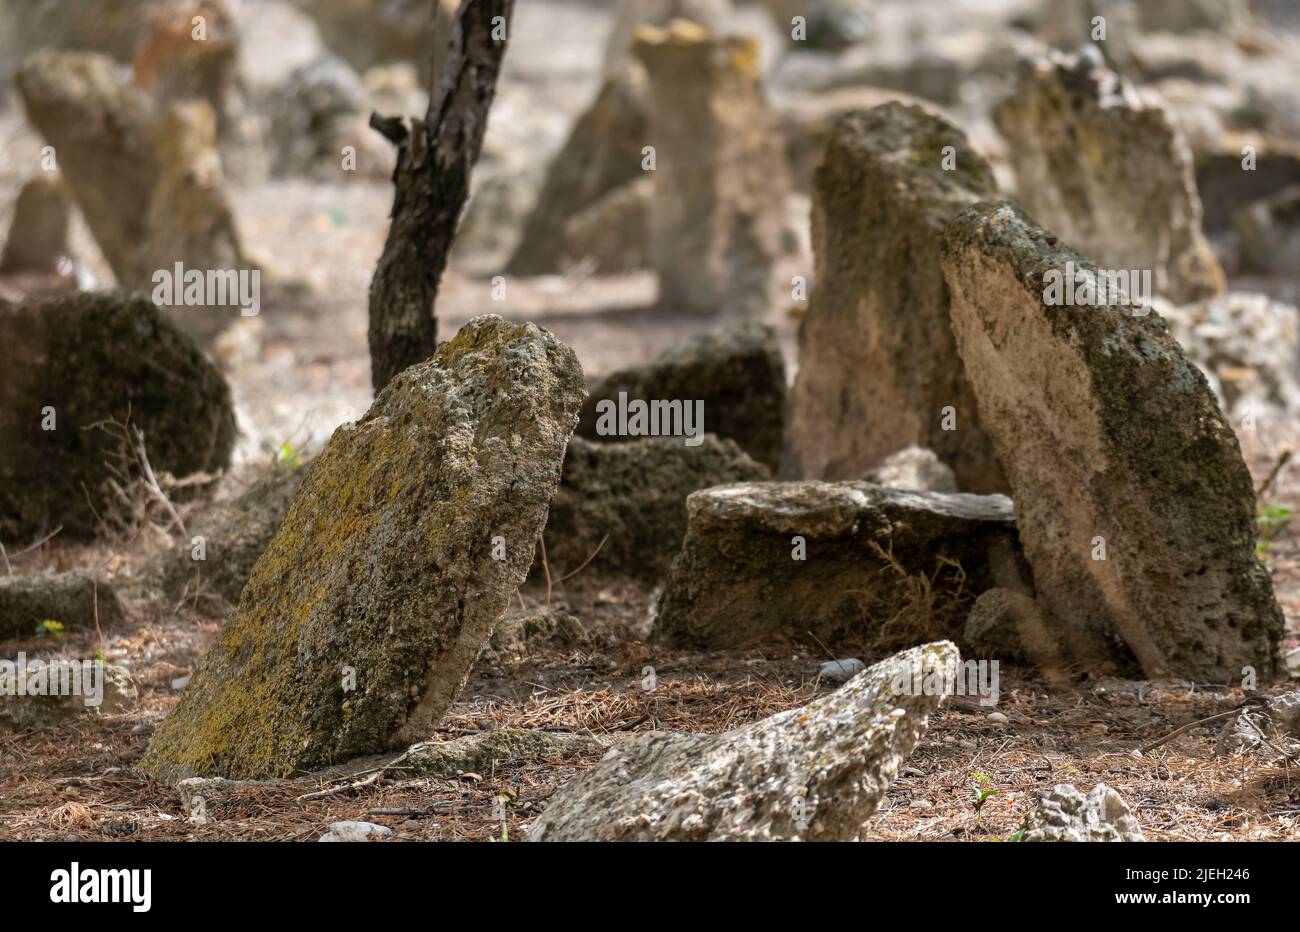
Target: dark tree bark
x,y
435,158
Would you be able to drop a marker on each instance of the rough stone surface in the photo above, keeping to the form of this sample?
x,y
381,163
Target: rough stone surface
x,y
1106,172
914,469
235,534
74,599
993,626
1270,233
633,496
522,631
601,156
93,358
354,831
738,373
1108,432
738,581
117,694
38,234
718,217
1065,814
385,564
878,369
815,773
1269,731
633,14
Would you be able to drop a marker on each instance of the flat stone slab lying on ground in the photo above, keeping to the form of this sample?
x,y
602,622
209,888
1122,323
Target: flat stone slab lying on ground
x,y
878,369
813,773
632,496
80,366
409,536
1104,170
737,374
775,560
1135,508
1065,814
75,599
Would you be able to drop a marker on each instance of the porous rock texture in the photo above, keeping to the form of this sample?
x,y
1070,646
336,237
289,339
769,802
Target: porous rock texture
x,y
93,358
386,564
742,578
1065,814
813,773
738,373
75,599
1104,170
1135,508
878,369
633,496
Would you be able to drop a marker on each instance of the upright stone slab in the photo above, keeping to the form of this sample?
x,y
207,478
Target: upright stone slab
x,y
409,536
1115,447
878,370
718,215
38,234
1104,169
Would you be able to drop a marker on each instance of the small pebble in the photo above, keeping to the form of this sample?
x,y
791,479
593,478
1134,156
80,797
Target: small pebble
x,y
181,682
356,831
837,671
997,718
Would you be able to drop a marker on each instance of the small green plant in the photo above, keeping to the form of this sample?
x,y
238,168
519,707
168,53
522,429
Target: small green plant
x,y
982,792
49,628
1273,521
1018,836
288,456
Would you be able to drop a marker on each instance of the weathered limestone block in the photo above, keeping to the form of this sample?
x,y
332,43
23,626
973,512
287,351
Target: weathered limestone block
x,y
1065,814
771,560
1135,509
815,773
85,359
410,533
878,369
38,234
1105,171
633,497
738,373
75,599
718,216
602,155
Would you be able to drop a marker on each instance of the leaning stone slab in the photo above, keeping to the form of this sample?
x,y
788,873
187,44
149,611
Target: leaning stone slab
x,y
737,373
776,560
38,234
812,773
718,217
75,599
632,496
1065,814
79,367
410,533
1104,170
1135,509
878,369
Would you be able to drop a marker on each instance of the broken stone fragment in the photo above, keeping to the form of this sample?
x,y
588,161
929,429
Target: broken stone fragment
x,y
1065,814
74,600
38,234
718,218
81,366
1104,170
633,496
878,369
737,373
813,773
523,631
830,560
1269,732
351,830
409,535
993,626
1135,508
601,156
93,688
914,469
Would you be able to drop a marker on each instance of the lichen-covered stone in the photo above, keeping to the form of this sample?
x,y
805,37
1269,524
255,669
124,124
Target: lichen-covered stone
x,y
1268,731
765,561
738,373
1065,814
38,234
75,599
234,535
878,369
718,217
1135,508
633,497
601,156
386,565
915,469
814,773
84,359
1106,172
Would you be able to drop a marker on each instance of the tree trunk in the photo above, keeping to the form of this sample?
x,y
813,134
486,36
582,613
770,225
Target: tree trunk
x,y
435,158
